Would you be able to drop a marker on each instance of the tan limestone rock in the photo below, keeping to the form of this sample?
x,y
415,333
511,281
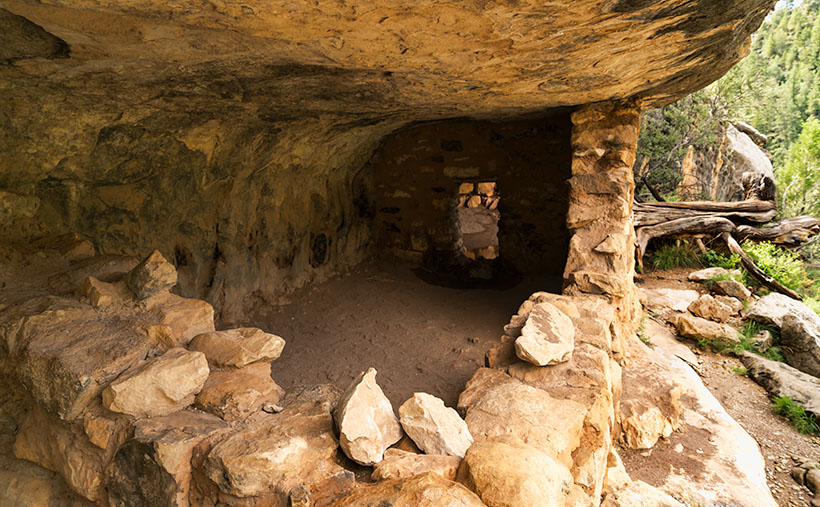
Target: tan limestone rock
x,y
186,317
155,467
486,188
548,337
99,293
696,328
734,303
435,428
235,394
732,288
238,347
425,490
271,454
366,421
703,275
152,275
159,386
506,472
650,407
65,354
465,188
106,268
639,493
24,484
553,426
711,308
63,448
399,464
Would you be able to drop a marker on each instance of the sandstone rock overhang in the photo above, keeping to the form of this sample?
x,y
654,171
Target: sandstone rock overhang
x,y
429,60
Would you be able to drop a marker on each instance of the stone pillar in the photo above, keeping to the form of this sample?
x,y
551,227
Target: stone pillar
x,y
601,257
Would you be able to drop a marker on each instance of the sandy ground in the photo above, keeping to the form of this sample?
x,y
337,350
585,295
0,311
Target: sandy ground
x,y
748,404
419,336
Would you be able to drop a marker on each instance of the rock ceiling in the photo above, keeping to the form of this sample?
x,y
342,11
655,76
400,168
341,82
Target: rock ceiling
x,y
373,59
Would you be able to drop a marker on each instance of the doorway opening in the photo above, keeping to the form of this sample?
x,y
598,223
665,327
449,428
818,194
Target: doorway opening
x,y
477,217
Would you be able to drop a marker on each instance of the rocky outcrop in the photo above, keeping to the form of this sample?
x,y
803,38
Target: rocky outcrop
x,y
771,309
732,288
427,490
800,338
367,424
181,173
710,308
714,173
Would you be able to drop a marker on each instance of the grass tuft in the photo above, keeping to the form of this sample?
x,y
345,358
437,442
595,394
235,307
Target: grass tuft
x,y
802,421
675,256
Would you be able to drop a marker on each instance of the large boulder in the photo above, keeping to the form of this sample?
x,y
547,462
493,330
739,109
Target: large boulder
x,y
235,394
181,318
780,379
506,472
238,347
551,425
800,338
399,464
435,428
366,421
159,386
154,468
772,308
64,353
705,274
548,337
271,455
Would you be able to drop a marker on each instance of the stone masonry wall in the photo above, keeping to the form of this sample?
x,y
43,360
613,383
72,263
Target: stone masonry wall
x,y
601,257
417,175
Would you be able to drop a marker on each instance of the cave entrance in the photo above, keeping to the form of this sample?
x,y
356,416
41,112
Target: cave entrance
x,y
466,220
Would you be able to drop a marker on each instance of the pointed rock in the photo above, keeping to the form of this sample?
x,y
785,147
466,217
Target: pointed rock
x,y
366,421
159,386
238,347
435,428
151,276
548,337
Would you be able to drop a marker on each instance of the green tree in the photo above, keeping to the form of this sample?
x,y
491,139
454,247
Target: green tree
x,y
799,180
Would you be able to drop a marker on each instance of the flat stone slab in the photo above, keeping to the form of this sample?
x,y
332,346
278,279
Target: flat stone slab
x,y
668,299
780,379
238,347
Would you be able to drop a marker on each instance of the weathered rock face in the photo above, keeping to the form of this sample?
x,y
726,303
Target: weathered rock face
x,y
232,138
715,173
800,338
783,380
710,308
426,490
698,328
234,395
152,275
272,454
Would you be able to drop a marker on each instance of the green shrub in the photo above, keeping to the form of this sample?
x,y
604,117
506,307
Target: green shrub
x,y
782,265
750,329
675,256
801,420
718,260
743,372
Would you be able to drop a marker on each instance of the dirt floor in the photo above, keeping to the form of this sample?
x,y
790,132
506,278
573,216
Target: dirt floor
x,y
419,336
748,403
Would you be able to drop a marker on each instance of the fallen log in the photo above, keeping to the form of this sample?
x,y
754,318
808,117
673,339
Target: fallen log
x,y
755,271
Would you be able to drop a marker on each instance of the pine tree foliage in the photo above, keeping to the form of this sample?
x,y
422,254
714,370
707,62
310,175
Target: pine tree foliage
x,y
776,89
